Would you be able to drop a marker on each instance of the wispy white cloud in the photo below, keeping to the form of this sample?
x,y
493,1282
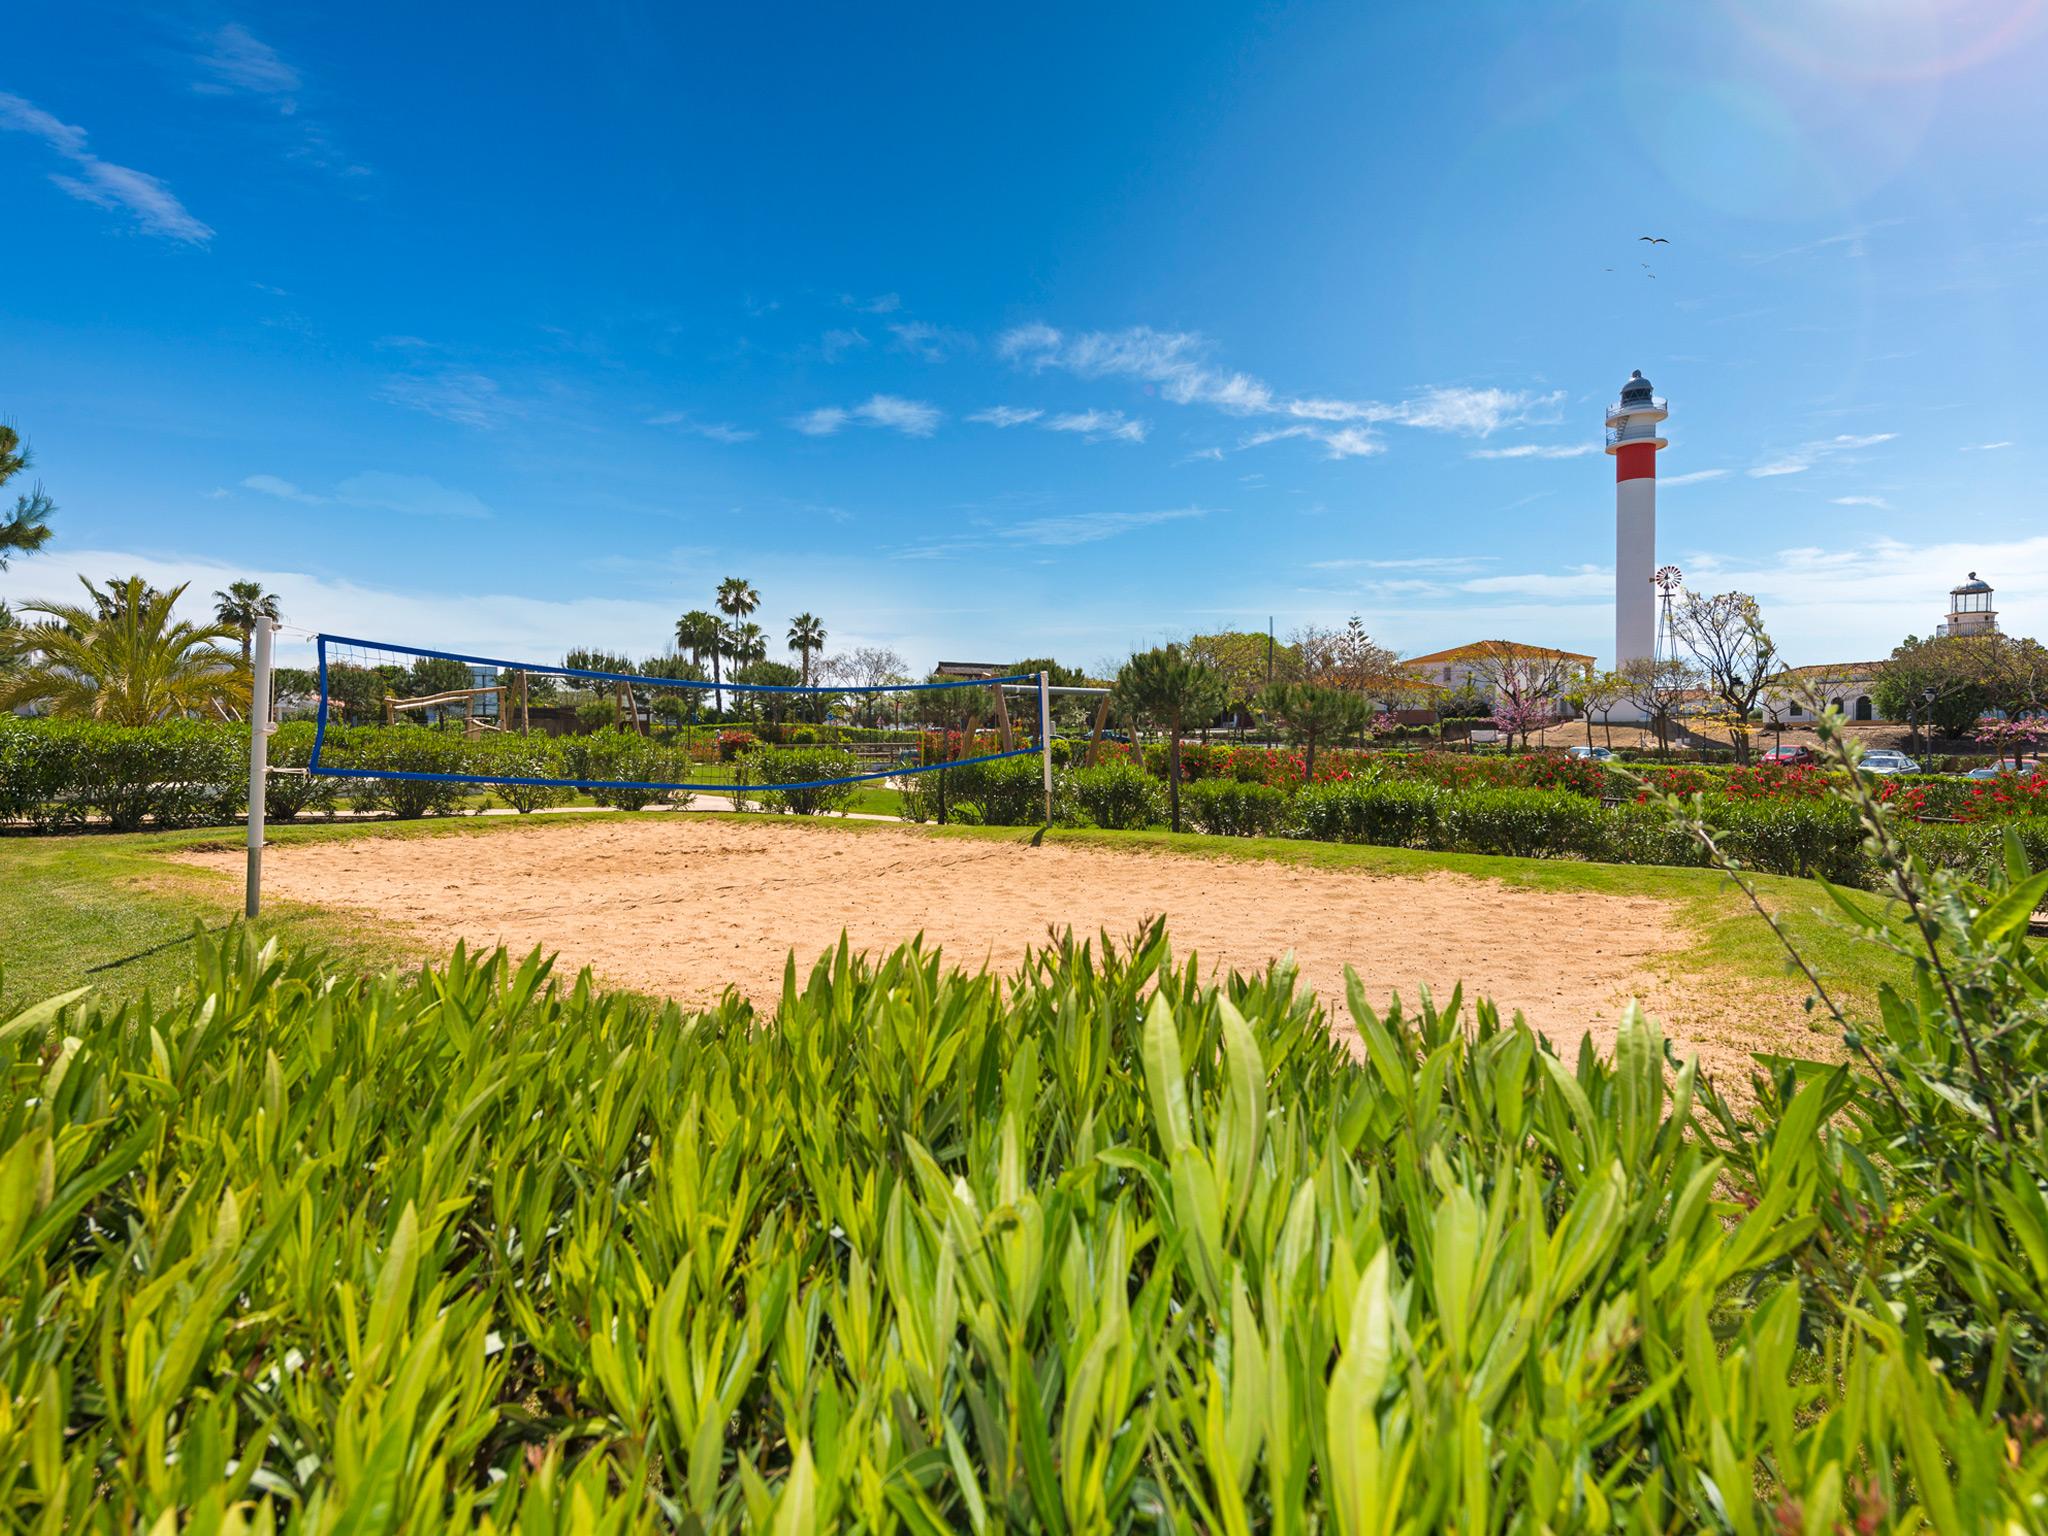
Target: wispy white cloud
x,y
913,418
1097,425
1176,364
240,61
1212,455
236,62
931,343
411,495
1341,442
1851,242
282,489
717,431
835,344
1006,416
460,395
1447,565
1694,477
822,422
880,304
152,204
1804,457
1536,451
1091,527
378,491
1984,447
1862,501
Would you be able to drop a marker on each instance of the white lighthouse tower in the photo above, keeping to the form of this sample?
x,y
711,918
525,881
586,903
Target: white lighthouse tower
x,y
1634,434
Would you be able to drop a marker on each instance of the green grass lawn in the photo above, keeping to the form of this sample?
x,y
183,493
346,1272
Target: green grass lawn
x,y
112,911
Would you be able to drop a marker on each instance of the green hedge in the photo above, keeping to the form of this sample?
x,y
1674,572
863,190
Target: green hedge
x,y
1119,795
1390,813
1227,808
796,765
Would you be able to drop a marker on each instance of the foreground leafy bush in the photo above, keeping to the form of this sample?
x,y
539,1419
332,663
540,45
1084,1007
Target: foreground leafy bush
x,y
796,765
1119,795
1229,808
1110,1251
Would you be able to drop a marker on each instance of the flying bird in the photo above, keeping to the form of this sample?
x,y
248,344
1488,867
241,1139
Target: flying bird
x,y
1653,239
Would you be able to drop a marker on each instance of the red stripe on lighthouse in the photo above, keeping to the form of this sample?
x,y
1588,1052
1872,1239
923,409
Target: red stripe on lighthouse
x,y
1636,461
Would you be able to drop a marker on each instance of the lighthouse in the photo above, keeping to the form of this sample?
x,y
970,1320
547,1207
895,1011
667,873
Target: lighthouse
x,y
1634,435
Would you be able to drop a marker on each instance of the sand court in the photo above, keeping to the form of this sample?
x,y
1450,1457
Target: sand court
x,y
683,907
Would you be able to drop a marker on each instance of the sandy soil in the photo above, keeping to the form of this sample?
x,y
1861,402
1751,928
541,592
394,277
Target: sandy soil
x,y
682,907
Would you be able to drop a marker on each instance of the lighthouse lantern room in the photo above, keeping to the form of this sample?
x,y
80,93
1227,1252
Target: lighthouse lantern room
x,y
1634,436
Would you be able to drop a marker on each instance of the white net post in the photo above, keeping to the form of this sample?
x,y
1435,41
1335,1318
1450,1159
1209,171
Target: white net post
x,y
260,727
1045,738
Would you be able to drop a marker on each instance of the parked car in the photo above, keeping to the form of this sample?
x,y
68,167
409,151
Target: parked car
x,y
1790,757
1883,761
1592,754
1993,770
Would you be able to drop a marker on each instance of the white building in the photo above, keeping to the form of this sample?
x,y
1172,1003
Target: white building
x,y
1851,686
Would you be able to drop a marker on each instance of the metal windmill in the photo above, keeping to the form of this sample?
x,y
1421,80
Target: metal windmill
x,y
1669,582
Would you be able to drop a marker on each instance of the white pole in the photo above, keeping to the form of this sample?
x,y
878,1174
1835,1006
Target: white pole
x,y
1045,738
260,727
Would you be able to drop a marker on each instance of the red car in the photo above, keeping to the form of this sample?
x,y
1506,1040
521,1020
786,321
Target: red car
x,y
1790,757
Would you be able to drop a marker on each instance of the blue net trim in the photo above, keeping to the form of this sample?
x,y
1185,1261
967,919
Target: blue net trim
x,y
316,766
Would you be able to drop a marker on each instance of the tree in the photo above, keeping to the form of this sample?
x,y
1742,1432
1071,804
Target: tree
x,y
1596,693
1725,635
1345,658
124,658
737,597
1657,688
1313,713
27,528
1165,687
775,674
242,606
437,674
806,638
867,667
1246,661
1526,683
702,635
2015,673
1939,681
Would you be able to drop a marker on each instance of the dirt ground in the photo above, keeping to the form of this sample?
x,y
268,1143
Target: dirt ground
x,y
683,907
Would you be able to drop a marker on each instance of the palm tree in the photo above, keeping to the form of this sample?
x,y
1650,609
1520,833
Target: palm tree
x,y
737,597
27,528
806,636
1167,688
241,606
123,658
700,634
745,644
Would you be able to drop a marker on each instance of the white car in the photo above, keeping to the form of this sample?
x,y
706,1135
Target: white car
x,y
1993,770
1889,762
1593,754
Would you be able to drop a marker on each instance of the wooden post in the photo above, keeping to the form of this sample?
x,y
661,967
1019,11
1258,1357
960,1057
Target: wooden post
x,y
1007,736
390,710
1095,739
524,719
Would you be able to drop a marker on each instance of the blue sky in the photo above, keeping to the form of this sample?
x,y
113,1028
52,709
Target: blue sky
x,y
1060,330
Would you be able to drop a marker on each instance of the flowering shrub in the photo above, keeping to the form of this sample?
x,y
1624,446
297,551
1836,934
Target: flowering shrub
x,y
731,744
2010,794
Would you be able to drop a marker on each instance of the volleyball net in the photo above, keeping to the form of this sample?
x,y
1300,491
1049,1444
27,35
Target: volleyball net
x,y
592,722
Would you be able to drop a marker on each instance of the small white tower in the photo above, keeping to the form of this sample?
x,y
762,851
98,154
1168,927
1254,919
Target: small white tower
x,y
1969,609
1634,435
